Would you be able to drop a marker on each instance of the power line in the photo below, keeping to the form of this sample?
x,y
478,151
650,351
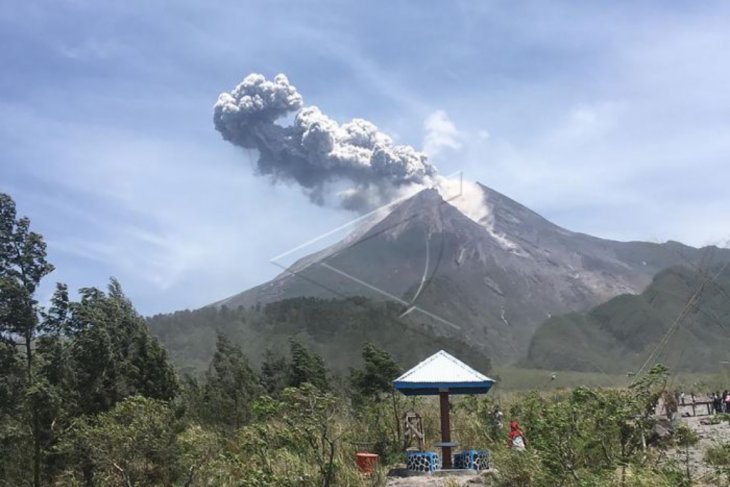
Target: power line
x,y
691,303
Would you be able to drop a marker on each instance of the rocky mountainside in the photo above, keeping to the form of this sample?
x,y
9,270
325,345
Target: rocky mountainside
x,y
491,281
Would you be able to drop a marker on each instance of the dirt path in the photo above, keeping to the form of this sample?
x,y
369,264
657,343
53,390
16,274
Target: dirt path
x,y
428,481
710,435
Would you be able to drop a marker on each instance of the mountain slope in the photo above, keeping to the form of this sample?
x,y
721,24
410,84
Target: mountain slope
x,y
620,335
491,282
334,328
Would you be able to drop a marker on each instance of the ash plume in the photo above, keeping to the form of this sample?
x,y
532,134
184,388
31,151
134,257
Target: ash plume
x,y
315,151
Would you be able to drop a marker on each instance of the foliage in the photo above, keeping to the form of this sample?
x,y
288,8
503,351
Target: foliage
x,y
685,436
517,469
336,329
585,431
377,375
620,334
719,418
718,455
132,444
22,266
306,367
230,387
274,373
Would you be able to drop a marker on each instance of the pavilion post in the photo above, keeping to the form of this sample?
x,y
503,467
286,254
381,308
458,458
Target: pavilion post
x,y
445,430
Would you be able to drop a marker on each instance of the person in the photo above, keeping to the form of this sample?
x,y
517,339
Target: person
x,y
498,418
681,398
517,438
716,402
670,405
727,403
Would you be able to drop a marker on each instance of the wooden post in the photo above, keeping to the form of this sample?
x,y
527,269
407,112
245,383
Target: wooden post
x,y
445,430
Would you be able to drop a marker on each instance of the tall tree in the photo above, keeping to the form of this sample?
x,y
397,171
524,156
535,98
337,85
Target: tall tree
x,y
22,266
369,385
378,372
114,354
306,367
230,388
274,373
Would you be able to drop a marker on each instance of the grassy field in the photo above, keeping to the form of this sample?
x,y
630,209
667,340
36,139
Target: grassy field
x,y
512,379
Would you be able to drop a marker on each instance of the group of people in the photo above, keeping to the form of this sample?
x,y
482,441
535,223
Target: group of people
x,y
516,438
721,402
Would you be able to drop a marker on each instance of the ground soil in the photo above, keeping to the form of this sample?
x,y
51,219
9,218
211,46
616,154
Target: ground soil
x,y
692,458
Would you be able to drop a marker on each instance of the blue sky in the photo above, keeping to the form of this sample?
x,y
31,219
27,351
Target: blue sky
x,y
610,118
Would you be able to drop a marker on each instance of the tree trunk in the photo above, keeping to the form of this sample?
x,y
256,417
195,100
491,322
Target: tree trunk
x,y
397,418
34,414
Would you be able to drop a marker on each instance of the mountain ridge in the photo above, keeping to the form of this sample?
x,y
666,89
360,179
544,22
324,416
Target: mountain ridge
x,y
493,281
679,320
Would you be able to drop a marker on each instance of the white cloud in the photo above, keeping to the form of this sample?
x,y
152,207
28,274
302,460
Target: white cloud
x,y
441,133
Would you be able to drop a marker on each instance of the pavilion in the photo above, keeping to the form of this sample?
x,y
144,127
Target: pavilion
x,y
443,374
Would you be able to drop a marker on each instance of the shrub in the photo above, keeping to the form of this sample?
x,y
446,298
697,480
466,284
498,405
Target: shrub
x,y
718,455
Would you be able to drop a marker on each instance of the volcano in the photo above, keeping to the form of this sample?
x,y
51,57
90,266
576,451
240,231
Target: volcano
x,y
490,280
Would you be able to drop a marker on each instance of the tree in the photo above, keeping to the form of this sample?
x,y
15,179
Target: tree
x,y
230,388
274,373
310,416
133,444
15,436
368,385
114,354
22,266
306,367
377,375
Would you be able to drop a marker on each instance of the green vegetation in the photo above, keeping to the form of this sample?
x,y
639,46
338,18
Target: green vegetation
x,y
718,455
335,329
73,360
619,335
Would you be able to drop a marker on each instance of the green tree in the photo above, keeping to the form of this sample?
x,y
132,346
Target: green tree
x,y
133,444
310,416
22,266
585,434
92,354
114,354
377,375
306,367
369,386
15,436
274,375
230,388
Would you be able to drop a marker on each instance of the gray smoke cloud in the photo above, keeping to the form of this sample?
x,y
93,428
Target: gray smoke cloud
x,y
315,151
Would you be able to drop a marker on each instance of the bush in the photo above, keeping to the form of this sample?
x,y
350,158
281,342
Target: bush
x,y
718,455
685,436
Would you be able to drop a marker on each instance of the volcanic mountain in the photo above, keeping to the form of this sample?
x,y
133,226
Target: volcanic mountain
x,y
490,281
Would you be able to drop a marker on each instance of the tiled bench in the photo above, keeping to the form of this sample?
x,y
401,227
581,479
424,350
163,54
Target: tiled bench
x,y
422,461
472,459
